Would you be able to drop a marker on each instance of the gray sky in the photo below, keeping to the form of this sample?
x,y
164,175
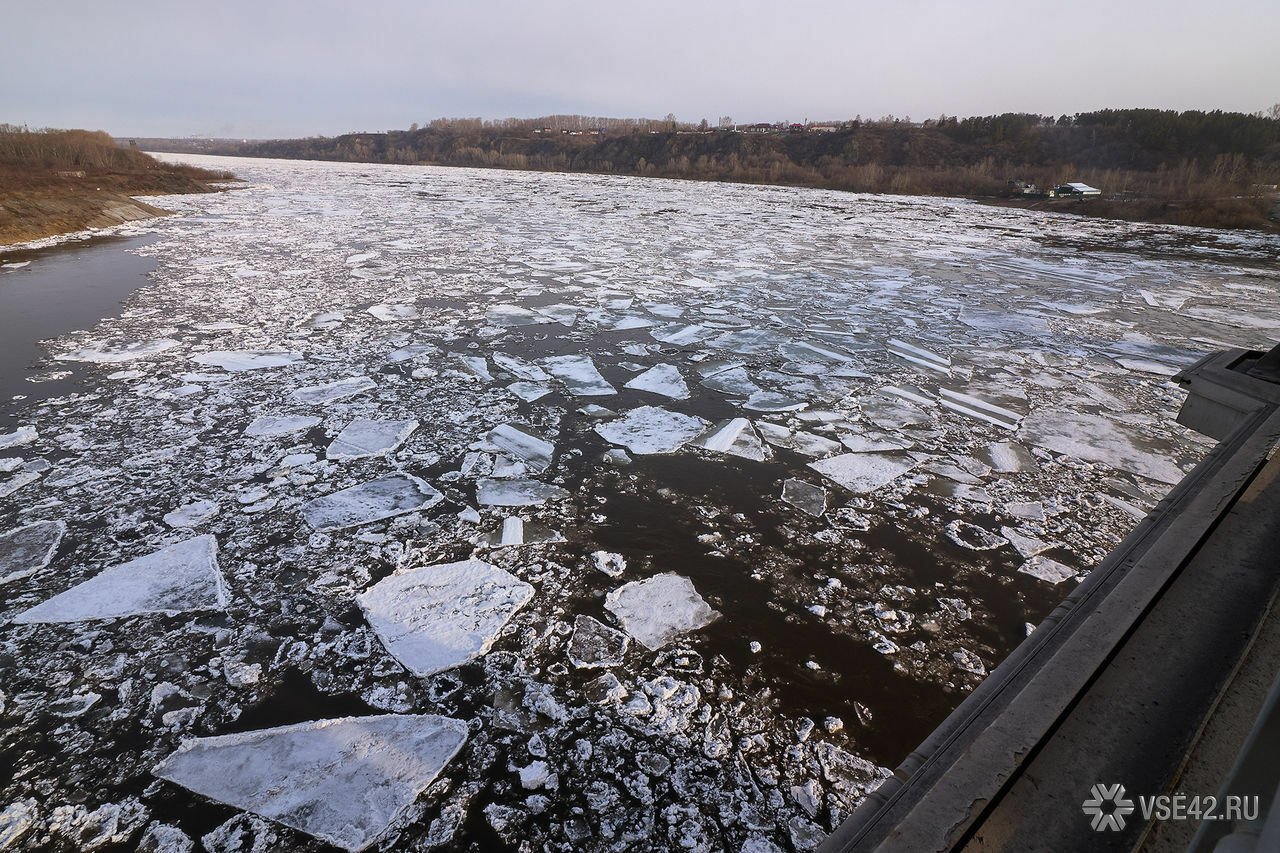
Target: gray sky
x,y
303,67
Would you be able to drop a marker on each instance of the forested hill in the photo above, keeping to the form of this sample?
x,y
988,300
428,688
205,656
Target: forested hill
x,y
1194,167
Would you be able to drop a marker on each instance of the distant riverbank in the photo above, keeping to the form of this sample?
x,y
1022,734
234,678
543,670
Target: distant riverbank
x,y
59,182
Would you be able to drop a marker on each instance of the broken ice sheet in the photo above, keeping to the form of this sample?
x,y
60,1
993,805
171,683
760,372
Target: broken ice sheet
x,y
363,437
178,578
735,437
515,531
732,381
268,425
28,549
519,368
649,429
1097,439
656,610
661,379
336,390
434,618
595,645
390,313
864,472
1047,570
529,391
236,361
20,437
385,497
805,443
116,355
345,781
1009,457
534,451
805,496
490,492
579,375
768,401
192,514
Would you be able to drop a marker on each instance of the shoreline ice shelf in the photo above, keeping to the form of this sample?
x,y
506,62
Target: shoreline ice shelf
x,y
658,511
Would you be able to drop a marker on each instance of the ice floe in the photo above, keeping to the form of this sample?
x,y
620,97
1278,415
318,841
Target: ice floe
x,y
1047,570
115,355
662,379
385,497
595,644
336,390
735,437
28,549
241,360
363,437
650,429
20,437
804,496
434,618
579,375
271,425
656,610
191,515
864,472
177,578
535,452
346,781
491,492
1098,439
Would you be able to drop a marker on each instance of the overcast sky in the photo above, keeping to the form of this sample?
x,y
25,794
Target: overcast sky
x,y
273,68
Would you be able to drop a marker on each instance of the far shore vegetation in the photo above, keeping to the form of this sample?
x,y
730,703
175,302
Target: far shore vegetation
x,y
60,181
1212,169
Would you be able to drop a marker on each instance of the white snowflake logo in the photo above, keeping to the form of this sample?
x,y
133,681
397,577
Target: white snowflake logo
x,y
1104,819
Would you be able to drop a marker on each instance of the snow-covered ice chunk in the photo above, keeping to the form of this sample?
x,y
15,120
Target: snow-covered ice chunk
x,y
434,618
20,437
519,368
336,390
472,365
516,531
661,379
28,549
235,361
1009,457
805,496
806,352
608,562
385,497
975,407
17,481
864,472
192,514
579,375
679,334
595,645
919,357
1097,439
390,313
1047,570
873,442
768,401
345,781
412,352
1027,546
972,536
735,437
658,609
529,391
1032,510
280,424
534,451
364,437
801,442
178,578
116,355
491,492
649,429
733,380
512,315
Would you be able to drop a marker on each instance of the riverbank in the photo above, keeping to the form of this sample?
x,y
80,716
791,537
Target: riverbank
x,y
60,182
1259,213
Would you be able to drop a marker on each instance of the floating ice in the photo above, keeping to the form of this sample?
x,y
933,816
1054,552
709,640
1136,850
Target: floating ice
x,y
529,391
535,452
920,357
434,618
512,315
579,375
412,352
679,334
515,531
192,514
1047,570
385,497
805,496
178,578
649,429
806,352
20,437
345,781
336,390
801,442
517,493
735,437
967,404
864,472
363,438
268,425
768,401
11,485
734,381
1097,439
658,609
519,368
1032,510
1027,546
608,562
972,536
595,645
240,360
391,313
1009,457
873,442
120,354
28,549
661,379
472,365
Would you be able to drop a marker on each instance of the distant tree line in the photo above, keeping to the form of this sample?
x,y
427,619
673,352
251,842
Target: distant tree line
x,y
1196,161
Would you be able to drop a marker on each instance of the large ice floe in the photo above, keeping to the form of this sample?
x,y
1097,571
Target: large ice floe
x,y
443,509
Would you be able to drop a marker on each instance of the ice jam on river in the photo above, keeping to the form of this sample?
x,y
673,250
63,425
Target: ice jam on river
x,y
408,508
